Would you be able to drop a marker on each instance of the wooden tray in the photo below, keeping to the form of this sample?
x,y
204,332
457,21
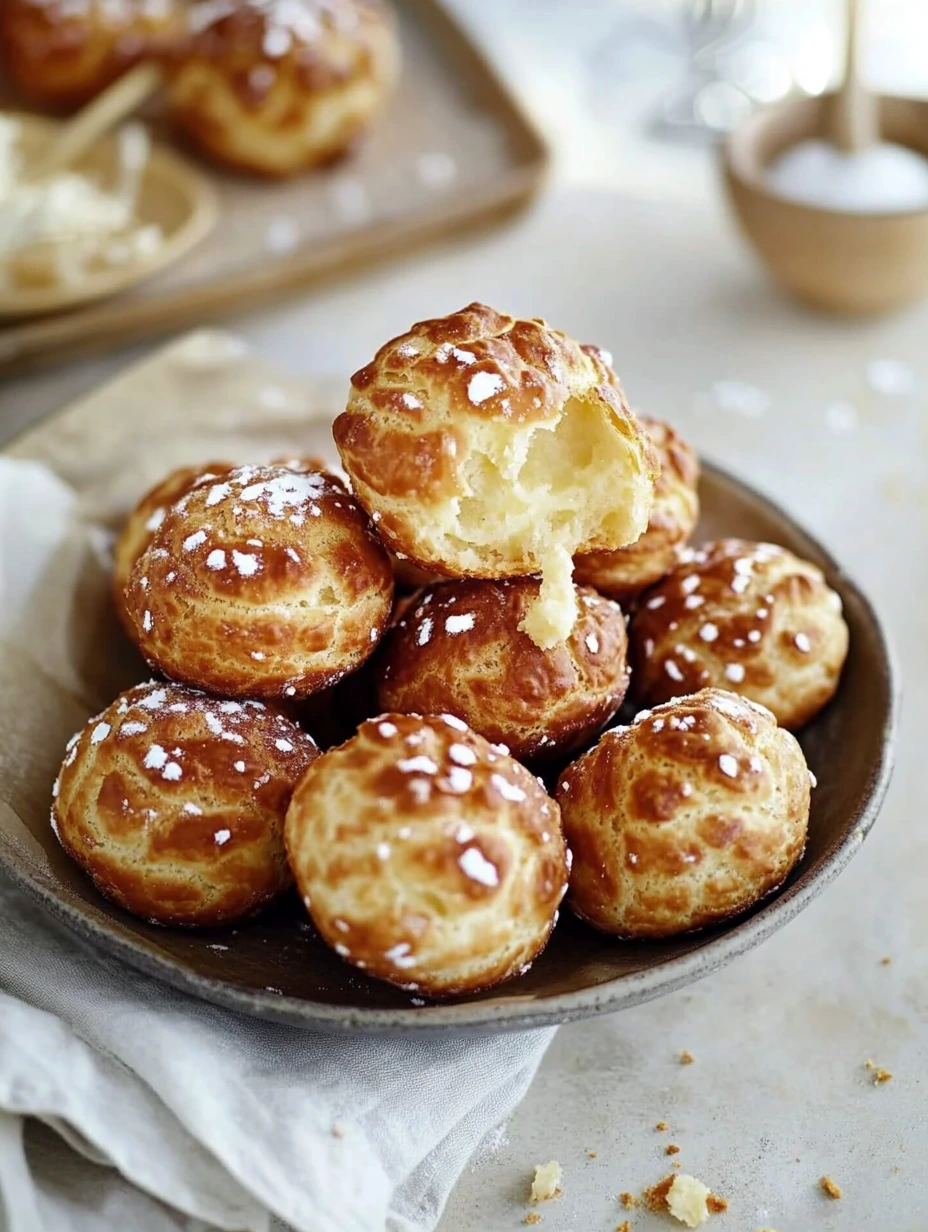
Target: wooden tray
x,y
453,149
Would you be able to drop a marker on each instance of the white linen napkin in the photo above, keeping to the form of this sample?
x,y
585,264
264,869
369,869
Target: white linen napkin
x,y
227,1120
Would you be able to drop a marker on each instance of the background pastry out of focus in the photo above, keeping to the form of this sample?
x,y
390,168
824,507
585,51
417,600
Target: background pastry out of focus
x,y
162,159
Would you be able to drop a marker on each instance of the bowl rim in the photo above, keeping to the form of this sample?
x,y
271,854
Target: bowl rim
x,y
745,171
481,1017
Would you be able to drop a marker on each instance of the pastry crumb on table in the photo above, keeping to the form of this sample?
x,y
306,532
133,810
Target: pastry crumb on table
x,y
628,1200
830,1188
661,1126
546,1183
672,1149
685,1198
686,1057
532,1217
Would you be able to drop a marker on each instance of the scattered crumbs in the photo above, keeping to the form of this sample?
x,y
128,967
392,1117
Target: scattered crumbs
x,y
625,1226
672,1149
686,1057
661,1126
868,1064
592,1154
830,1188
655,1197
885,962
628,1200
716,1204
880,1076
532,1217
546,1183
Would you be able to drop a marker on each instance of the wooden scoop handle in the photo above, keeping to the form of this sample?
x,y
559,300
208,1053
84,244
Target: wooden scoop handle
x,y
92,122
855,122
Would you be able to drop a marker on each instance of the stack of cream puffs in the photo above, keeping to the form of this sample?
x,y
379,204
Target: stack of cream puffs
x,y
507,561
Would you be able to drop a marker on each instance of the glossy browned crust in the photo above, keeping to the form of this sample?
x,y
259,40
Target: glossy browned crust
x,y
427,857
624,573
63,56
684,819
151,510
265,94
147,516
768,626
410,424
268,583
173,802
541,703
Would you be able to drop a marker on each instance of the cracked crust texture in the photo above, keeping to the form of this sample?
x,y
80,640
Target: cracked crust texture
x,y
460,650
174,802
686,818
748,617
426,856
626,572
274,87
265,583
444,419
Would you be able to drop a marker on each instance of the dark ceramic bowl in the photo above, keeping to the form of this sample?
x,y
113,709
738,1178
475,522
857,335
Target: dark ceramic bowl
x,y
276,968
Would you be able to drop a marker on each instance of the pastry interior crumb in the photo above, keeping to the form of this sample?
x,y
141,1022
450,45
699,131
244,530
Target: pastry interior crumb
x,y
541,492
685,1198
547,1182
628,1200
532,1217
830,1188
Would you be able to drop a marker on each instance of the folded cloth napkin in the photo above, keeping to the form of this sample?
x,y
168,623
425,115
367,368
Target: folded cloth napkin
x,y
228,1119
225,1120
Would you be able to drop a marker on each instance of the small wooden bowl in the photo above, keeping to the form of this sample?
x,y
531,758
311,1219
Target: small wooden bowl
x,y
172,194
849,263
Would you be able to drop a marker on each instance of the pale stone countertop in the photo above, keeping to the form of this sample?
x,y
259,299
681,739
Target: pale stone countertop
x,y
807,409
